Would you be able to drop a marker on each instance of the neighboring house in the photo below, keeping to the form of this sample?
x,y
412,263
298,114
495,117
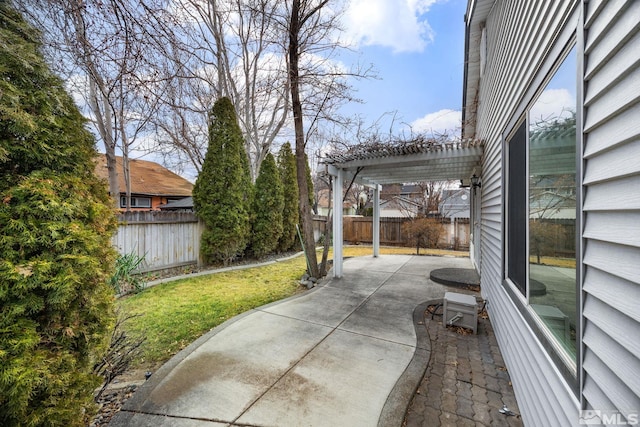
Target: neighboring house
x,y
413,192
553,91
401,201
455,206
152,185
399,207
408,200
185,204
348,208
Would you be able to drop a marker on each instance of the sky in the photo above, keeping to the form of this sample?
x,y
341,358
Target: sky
x,y
417,49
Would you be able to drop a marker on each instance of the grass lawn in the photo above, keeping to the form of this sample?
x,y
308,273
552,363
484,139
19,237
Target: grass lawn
x,y
173,315
555,262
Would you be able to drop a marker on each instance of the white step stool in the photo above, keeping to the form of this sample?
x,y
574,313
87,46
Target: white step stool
x,y
460,310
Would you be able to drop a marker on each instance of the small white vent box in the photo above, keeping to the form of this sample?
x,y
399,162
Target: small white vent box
x,y
460,310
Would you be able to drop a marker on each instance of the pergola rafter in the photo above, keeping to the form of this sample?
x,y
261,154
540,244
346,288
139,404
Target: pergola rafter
x,y
396,163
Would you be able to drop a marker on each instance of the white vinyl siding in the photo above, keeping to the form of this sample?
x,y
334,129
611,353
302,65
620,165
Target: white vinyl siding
x,y
521,36
611,287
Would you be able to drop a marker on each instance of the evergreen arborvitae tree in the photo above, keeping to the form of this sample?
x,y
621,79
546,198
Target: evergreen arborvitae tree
x,y
223,190
290,214
56,307
309,180
268,204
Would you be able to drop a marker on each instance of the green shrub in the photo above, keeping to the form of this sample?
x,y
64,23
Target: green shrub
x,y
55,229
125,279
223,190
56,305
268,204
423,232
291,210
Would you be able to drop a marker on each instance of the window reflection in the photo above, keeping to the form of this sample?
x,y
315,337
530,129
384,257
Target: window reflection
x,y
552,206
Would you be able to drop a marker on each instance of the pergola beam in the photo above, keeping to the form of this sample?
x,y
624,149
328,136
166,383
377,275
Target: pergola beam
x,y
399,165
415,159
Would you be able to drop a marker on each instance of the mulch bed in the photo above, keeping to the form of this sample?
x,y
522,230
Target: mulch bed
x,y
110,403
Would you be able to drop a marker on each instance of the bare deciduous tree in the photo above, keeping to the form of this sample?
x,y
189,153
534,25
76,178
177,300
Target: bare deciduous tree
x,y
106,51
318,86
229,48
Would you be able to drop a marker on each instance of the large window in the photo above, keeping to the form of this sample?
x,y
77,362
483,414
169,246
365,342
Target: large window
x,y
136,202
541,210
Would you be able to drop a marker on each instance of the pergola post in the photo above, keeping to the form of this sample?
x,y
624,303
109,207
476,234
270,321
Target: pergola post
x,y
376,221
337,223
394,163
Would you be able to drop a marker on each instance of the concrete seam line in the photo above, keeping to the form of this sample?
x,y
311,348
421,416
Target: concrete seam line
x,y
332,330
140,396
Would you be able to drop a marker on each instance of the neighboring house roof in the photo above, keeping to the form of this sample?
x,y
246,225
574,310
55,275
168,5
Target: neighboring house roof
x,y
408,191
148,178
399,202
186,203
411,189
399,207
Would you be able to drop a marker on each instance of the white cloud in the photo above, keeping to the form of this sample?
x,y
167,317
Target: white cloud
x,y
398,24
439,122
553,103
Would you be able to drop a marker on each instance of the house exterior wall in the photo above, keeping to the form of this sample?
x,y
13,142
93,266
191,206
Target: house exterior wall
x,y
523,40
156,202
611,207
519,37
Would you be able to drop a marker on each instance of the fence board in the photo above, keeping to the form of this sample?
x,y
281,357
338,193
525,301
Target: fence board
x,y
164,239
172,239
360,230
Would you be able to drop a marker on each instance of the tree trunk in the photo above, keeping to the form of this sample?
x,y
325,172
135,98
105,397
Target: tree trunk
x,y
104,128
125,161
97,96
305,208
112,169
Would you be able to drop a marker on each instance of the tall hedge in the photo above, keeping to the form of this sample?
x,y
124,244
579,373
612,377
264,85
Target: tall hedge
x,y
309,180
268,204
223,190
290,213
55,228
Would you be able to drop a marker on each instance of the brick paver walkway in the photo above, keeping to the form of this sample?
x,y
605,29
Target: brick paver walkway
x,y
466,382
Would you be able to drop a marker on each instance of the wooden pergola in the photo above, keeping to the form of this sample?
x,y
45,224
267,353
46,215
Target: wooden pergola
x,y
373,165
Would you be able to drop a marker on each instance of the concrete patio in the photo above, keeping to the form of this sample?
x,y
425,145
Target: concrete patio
x,y
352,352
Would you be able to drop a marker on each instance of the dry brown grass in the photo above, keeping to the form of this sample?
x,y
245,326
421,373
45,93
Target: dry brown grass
x,y
362,250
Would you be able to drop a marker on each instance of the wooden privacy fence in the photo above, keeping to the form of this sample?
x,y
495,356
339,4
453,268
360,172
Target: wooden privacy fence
x,y
164,239
172,239
360,230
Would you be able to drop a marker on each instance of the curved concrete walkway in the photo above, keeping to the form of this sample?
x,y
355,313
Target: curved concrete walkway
x,y
344,354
